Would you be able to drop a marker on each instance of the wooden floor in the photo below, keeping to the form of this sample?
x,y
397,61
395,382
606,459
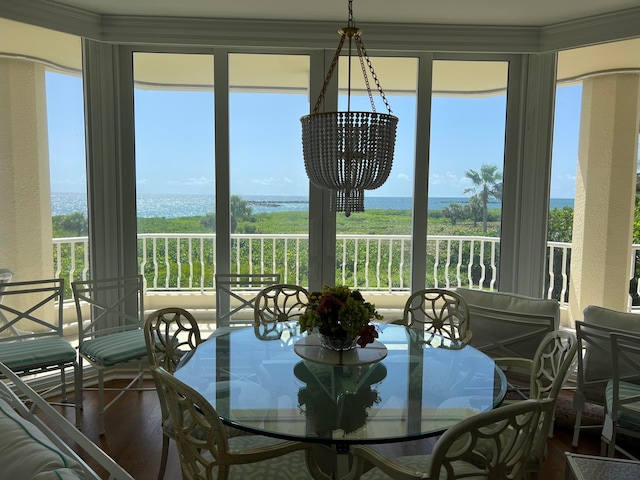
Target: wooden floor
x,y
134,439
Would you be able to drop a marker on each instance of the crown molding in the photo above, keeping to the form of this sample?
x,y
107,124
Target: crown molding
x,y
52,15
311,35
609,27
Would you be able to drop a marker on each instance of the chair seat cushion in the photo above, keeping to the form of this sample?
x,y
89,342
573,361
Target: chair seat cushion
x,y
291,466
115,348
37,353
626,390
422,463
28,454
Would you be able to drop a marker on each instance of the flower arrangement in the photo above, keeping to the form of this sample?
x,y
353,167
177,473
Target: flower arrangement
x,y
341,312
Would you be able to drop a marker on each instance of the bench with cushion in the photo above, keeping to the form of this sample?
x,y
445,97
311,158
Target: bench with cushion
x,y
30,448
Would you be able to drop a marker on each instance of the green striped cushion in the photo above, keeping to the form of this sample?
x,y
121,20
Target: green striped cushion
x,y
36,353
626,390
115,348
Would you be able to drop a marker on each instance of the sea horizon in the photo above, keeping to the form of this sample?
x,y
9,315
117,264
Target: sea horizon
x,y
185,205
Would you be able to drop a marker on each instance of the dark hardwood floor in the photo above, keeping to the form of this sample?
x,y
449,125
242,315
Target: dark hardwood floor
x,y
134,439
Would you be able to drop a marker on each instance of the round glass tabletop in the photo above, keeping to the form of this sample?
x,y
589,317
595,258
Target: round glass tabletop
x,y
419,389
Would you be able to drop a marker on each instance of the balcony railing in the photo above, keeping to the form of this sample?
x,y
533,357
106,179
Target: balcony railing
x,y
378,263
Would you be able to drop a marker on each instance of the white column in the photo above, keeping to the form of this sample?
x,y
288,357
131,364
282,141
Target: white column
x,y
25,202
605,193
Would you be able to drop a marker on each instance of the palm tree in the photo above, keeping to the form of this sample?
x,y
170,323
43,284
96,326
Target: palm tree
x,y
486,184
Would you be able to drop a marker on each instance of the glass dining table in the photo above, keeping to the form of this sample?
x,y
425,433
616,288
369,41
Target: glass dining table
x,y
416,386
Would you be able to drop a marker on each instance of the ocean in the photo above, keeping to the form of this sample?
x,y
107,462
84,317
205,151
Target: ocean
x,y
174,206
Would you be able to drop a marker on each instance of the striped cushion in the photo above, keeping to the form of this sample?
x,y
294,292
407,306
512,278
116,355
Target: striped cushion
x,y
115,348
36,353
28,453
626,390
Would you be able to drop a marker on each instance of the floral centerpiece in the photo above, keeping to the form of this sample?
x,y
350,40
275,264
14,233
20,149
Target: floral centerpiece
x,y
341,316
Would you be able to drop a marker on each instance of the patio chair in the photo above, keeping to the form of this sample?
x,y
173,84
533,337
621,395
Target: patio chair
x,y
510,325
549,369
277,309
243,289
38,346
595,361
493,444
112,336
622,406
169,334
438,311
206,452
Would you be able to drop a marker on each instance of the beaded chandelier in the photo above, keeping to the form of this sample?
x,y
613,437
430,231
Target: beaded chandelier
x,y
349,152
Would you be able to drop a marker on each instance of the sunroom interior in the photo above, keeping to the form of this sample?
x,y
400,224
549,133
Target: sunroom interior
x,y
420,52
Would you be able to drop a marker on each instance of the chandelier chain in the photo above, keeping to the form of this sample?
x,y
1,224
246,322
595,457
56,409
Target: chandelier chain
x,y
364,73
327,79
360,45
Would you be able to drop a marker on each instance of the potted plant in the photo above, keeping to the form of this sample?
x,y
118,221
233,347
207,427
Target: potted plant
x,y
341,317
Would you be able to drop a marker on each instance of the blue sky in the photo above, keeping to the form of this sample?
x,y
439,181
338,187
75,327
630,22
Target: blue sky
x,y
175,149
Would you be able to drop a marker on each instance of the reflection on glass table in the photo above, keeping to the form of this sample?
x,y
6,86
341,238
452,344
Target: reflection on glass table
x,y
418,390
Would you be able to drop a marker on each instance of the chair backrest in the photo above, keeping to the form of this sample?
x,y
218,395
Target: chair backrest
x,y
509,325
278,307
241,288
595,361
114,304
197,426
625,350
438,311
170,333
31,309
497,443
552,363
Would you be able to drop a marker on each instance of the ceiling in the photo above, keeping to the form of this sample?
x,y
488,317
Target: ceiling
x,y
451,12
63,50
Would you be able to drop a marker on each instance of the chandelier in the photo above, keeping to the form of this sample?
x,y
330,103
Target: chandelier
x,y
349,152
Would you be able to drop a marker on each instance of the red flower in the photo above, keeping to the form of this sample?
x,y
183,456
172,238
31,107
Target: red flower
x,y
367,335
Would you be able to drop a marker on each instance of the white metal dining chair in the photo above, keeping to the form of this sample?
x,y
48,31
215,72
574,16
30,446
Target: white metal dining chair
x,y
111,337
594,358
236,295
169,333
277,309
489,445
622,405
32,337
206,452
440,312
549,369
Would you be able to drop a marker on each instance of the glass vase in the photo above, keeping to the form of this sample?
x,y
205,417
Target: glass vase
x,y
337,343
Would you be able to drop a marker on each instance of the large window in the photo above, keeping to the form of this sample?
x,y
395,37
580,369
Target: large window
x,y
269,187
465,172
175,181
373,248
67,159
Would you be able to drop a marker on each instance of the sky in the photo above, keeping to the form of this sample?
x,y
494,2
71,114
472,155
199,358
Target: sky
x,y
175,146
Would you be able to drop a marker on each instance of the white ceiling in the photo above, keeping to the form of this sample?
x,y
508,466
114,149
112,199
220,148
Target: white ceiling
x,y
460,12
